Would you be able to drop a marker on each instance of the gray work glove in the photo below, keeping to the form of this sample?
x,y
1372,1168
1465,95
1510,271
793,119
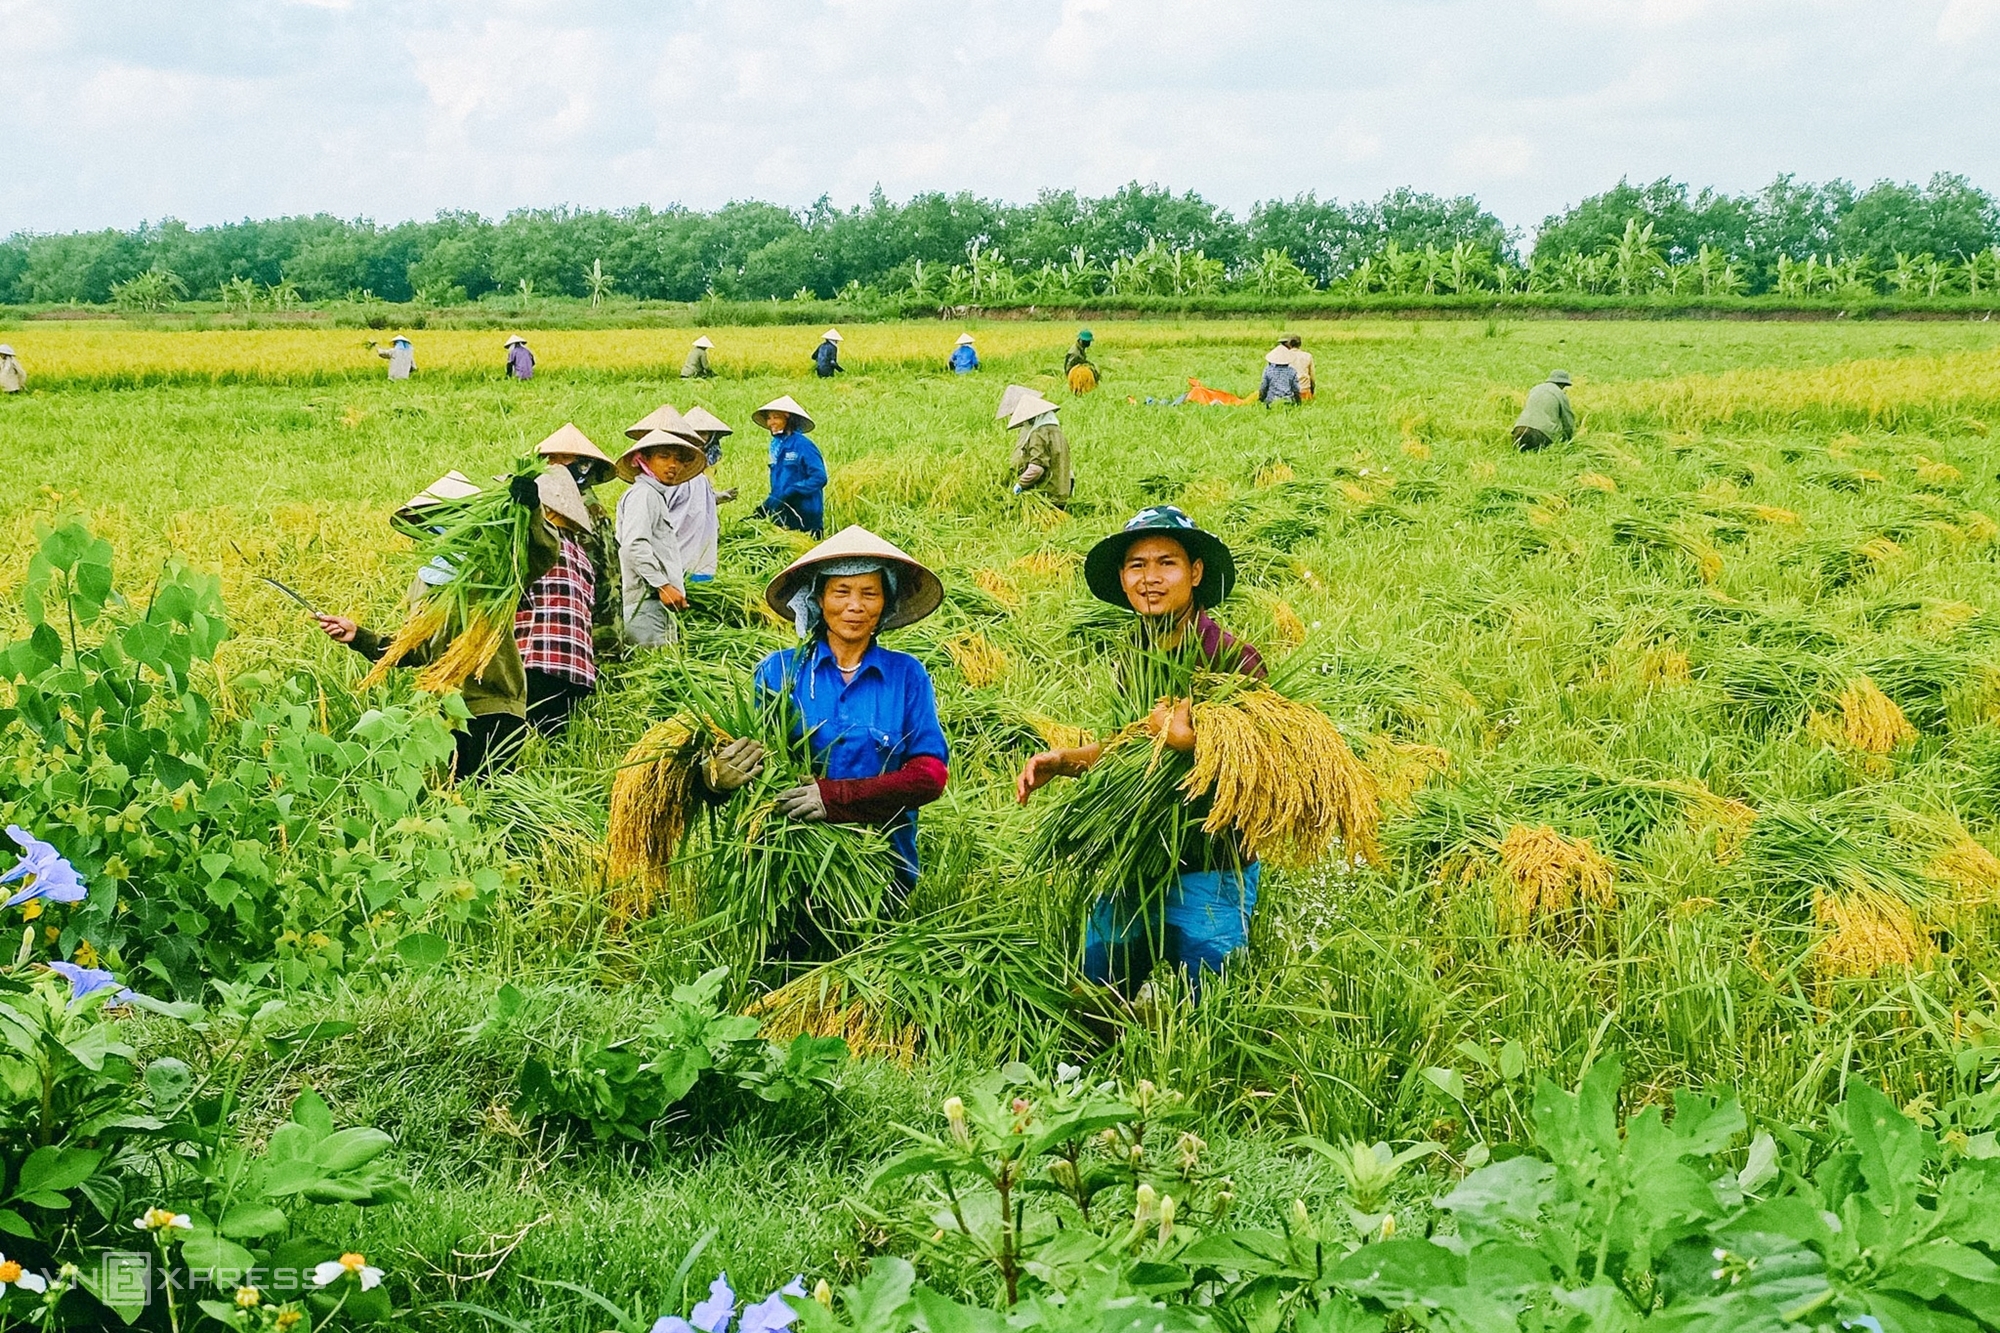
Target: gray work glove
x,y
803,804
733,765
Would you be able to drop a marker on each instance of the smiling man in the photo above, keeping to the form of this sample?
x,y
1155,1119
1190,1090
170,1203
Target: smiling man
x,y
1170,572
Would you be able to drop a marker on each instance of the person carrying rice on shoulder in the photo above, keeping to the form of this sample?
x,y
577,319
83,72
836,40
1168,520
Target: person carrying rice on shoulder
x,y
494,689
1078,368
1041,451
664,453
590,467
798,473
868,713
1170,573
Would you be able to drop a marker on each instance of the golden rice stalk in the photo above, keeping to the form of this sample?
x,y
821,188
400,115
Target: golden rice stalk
x,y
422,626
1870,720
1728,818
1879,551
1291,630
1417,449
1597,481
1866,932
468,653
1664,665
1773,514
1049,564
977,659
650,801
1058,735
1360,495
1401,768
1933,473
816,1005
999,587
1970,869
1977,526
1273,473
1549,874
1284,779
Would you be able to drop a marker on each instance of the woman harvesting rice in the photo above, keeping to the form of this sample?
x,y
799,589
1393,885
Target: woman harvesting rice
x,y
590,467
869,714
798,473
1170,572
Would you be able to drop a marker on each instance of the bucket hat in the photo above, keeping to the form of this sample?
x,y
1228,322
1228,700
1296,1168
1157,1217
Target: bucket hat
x,y
921,590
560,496
800,418
1084,336
1101,566
706,421
628,466
1559,377
1013,395
665,418
1028,407
703,342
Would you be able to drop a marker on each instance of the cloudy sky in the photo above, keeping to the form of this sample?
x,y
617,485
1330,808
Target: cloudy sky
x,y
209,110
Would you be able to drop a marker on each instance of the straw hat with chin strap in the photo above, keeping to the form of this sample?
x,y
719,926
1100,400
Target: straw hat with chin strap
x,y
561,497
919,591
569,440
628,463
798,417
707,422
1014,394
1028,408
666,418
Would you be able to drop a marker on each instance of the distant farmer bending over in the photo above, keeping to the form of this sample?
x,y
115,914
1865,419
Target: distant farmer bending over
x,y
13,378
696,365
520,361
1548,418
1078,368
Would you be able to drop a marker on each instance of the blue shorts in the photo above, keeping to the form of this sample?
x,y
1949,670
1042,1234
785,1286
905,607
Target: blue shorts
x,y
1205,918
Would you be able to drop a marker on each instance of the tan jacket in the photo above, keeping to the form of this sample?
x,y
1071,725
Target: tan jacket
x,y
13,377
1041,462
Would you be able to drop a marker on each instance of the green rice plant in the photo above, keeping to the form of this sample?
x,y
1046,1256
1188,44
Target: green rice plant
x,y
1650,537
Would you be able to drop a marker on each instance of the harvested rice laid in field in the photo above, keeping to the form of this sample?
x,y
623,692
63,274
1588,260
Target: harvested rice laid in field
x,y
1549,874
977,659
1402,768
1867,932
1870,720
999,587
1972,871
817,1005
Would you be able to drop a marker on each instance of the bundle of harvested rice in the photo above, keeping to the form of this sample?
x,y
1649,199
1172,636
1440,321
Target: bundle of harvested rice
x,y
480,544
1597,481
1049,564
1549,874
999,587
1729,819
977,659
1401,768
1970,869
650,797
1283,778
817,1004
1273,474
1870,720
1662,665
1866,932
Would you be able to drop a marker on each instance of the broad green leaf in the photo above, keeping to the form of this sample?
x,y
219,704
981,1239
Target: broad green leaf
x,y
423,951
310,1109
1892,1150
350,1149
247,1221
168,1081
57,1169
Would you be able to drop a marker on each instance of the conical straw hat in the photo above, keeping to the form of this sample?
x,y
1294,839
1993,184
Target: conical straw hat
x,y
560,496
922,590
707,422
569,440
666,418
801,419
831,335
1013,395
628,467
1030,407
703,342
453,485
517,338
964,340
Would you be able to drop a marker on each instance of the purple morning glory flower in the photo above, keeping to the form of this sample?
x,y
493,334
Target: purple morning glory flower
x,y
773,1314
712,1315
89,980
672,1323
48,875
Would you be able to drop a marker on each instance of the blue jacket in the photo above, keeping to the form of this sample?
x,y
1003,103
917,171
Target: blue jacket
x,y
798,481
826,359
865,727
964,360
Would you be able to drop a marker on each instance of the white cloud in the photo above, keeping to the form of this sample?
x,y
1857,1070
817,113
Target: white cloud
x,y
1966,21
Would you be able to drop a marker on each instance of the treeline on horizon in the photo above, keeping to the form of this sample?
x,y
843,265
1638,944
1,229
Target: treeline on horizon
x,y
1792,238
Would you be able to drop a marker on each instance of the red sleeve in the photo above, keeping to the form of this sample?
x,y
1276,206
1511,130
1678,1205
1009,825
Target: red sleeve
x,y
875,800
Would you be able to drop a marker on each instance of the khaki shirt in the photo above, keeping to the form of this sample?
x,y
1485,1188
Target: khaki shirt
x,y
1045,447
1549,412
13,377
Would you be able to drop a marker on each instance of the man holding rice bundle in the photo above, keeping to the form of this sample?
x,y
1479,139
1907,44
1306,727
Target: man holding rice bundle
x,y
652,551
439,637
1170,572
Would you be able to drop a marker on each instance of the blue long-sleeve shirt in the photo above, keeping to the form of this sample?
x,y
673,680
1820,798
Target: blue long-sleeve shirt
x,y
964,360
826,359
798,483
865,727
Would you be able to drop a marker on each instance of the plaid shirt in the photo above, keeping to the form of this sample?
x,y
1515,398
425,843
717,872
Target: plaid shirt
x,y
552,626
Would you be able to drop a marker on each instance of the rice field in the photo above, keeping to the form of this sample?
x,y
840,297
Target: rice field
x,y
1686,733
